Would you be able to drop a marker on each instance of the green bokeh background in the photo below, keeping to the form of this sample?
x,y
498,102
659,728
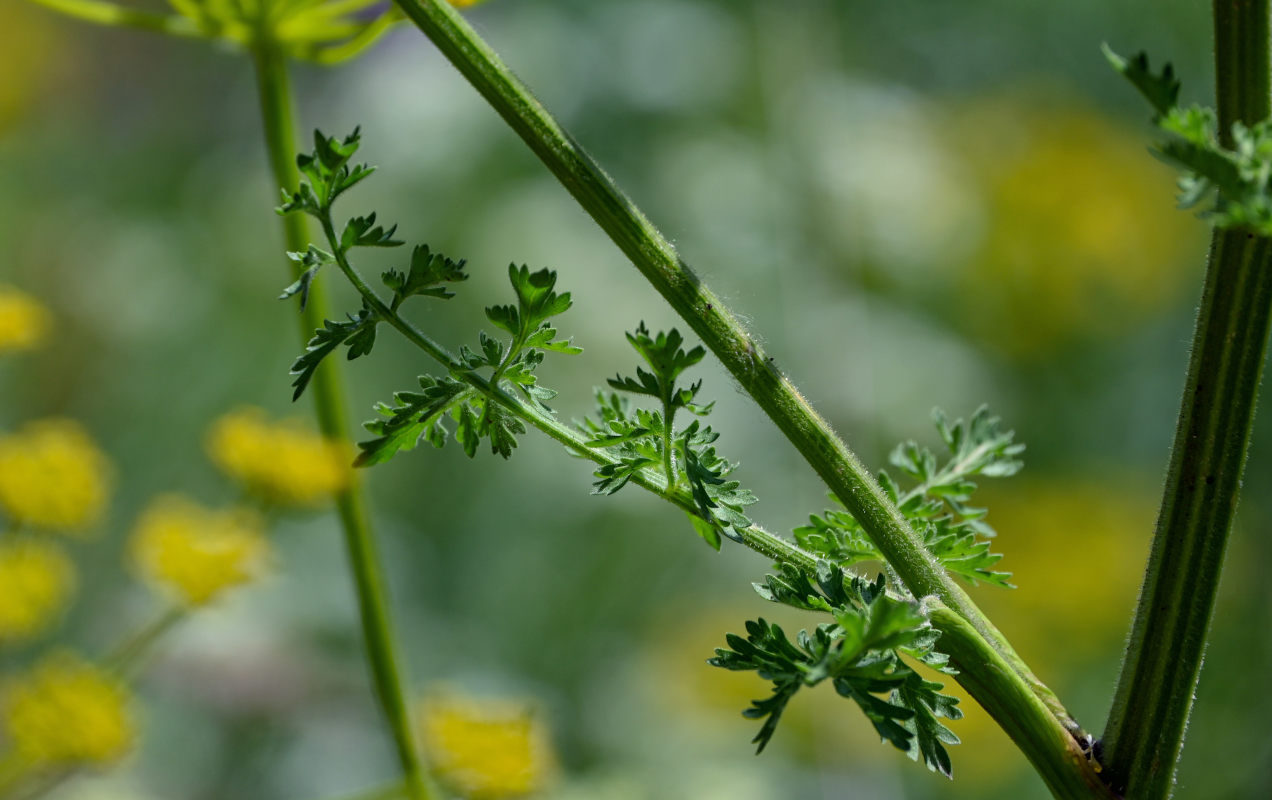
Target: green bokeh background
x,y
913,205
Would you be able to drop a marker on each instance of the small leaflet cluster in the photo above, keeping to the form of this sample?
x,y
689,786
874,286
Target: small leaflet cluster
x,y
873,627
859,653
419,414
642,439
937,506
875,624
1230,186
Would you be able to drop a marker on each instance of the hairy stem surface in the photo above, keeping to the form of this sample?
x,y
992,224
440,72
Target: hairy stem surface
x,y
1154,695
364,562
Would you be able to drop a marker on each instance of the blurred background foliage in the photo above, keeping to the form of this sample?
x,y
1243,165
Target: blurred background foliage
x,y
915,204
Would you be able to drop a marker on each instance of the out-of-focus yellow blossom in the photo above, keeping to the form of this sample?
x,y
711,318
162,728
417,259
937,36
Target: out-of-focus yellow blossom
x,y
1081,234
1068,620
486,749
23,321
33,54
36,580
68,712
281,462
53,476
194,552
322,31
1102,532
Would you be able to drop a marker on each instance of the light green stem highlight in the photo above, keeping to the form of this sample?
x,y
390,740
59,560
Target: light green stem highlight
x,y
364,561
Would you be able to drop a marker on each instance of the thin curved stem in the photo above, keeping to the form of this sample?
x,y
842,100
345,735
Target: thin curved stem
x,y
1145,732
701,309
984,671
715,324
364,561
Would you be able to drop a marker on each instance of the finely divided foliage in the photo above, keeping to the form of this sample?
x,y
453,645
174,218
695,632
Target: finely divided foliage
x,y
1229,185
419,415
647,439
492,392
937,506
860,653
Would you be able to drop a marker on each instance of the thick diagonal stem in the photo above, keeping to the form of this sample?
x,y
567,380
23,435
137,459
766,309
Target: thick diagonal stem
x,y
719,329
1145,732
984,672
364,561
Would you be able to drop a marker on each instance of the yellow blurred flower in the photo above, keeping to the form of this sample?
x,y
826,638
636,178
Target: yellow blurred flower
x,y
33,55
36,580
1101,531
1066,621
280,462
1082,236
23,321
194,552
52,476
486,749
68,712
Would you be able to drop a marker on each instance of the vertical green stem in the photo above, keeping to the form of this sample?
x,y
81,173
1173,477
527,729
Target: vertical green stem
x,y
1163,660
364,562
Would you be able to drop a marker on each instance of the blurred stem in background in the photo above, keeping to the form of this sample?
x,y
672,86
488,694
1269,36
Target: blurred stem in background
x,y
330,405
274,31
1159,676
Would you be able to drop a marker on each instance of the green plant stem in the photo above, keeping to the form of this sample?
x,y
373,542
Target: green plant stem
x,y
669,459
985,673
1064,765
364,562
127,656
718,328
1144,736
390,791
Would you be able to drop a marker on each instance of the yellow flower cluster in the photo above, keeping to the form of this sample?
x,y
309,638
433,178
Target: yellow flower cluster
x,y
23,321
280,462
68,712
1079,241
36,580
52,476
194,552
486,749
